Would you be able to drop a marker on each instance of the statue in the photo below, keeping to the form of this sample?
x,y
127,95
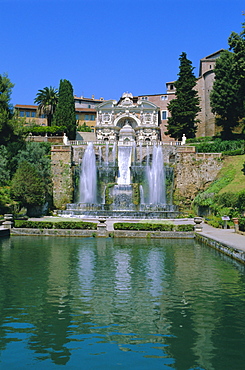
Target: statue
x,y
183,141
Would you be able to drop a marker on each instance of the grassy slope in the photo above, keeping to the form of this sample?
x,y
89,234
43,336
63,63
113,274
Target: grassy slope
x,y
232,168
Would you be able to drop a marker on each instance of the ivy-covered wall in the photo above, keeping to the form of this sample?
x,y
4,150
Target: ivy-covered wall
x,y
62,173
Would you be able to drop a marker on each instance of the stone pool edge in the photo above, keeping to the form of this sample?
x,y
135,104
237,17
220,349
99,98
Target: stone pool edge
x,y
235,253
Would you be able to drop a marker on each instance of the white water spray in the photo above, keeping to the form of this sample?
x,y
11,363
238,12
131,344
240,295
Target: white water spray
x,y
88,177
156,178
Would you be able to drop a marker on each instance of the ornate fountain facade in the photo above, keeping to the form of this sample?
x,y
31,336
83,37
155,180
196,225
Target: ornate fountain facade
x,y
126,172
142,116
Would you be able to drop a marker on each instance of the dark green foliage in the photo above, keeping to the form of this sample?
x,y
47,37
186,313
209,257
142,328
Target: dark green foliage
x,y
142,226
33,224
47,100
27,186
4,169
227,147
65,112
75,225
185,107
242,224
42,130
56,225
84,128
10,127
243,169
225,98
38,155
237,45
5,94
185,228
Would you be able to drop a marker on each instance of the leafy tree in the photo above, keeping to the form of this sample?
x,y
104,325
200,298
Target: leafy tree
x,y
237,45
5,93
65,112
185,107
47,100
11,127
4,169
27,186
225,99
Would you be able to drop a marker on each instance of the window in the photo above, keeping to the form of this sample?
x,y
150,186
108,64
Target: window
x,y
86,117
28,114
171,87
164,97
89,106
144,98
77,117
22,114
43,116
164,114
92,117
33,114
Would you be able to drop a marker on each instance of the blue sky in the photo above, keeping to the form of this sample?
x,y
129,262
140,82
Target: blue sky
x,y
107,47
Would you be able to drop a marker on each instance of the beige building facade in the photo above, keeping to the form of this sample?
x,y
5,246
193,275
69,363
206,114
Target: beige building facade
x,y
87,112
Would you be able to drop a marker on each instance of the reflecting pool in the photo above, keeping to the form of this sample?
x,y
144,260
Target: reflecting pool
x,y
97,303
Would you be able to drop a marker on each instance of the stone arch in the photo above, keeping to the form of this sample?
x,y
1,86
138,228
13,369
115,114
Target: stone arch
x,y
127,118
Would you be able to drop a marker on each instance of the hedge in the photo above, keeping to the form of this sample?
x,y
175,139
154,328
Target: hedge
x,y
152,227
142,226
55,225
185,227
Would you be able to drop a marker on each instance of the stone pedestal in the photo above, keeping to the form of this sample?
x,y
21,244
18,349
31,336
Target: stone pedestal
x,y
8,222
198,226
102,227
236,224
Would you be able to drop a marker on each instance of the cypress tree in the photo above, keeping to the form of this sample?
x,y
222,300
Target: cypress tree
x,y
65,112
185,106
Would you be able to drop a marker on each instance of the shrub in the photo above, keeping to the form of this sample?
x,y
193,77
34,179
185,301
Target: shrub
x,y
34,224
142,226
55,225
75,225
187,227
242,223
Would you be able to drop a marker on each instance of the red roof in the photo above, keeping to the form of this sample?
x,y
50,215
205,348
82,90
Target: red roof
x,y
25,106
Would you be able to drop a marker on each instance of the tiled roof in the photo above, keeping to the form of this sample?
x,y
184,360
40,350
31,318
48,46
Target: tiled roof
x,y
26,106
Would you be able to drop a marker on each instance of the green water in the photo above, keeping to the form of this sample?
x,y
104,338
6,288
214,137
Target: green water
x,y
87,303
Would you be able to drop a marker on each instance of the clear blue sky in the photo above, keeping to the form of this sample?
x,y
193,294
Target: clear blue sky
x,y
107,47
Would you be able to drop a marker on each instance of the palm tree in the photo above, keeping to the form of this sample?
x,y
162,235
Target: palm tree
x,y
47,100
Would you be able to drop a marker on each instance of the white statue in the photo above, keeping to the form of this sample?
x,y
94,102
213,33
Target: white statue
x,y
183,141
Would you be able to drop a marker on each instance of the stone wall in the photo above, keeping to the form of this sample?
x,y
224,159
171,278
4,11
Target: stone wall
x,y
194,172
62,175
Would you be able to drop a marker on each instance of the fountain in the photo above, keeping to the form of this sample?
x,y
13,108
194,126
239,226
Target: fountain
x,y
123,173
123,185
88,177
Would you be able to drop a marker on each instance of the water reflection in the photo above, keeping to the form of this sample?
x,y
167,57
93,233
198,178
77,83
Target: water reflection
x,y
156,304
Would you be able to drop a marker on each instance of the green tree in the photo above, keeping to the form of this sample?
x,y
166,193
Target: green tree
x,y
4,168
225,98
237,45
6,87
65,113
185,107
11,127
27,186
47,100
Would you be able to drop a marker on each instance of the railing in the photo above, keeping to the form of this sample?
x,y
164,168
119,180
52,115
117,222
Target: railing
x,y
80,142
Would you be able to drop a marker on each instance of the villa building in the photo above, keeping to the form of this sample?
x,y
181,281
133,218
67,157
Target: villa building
x,y
87,112
84,108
